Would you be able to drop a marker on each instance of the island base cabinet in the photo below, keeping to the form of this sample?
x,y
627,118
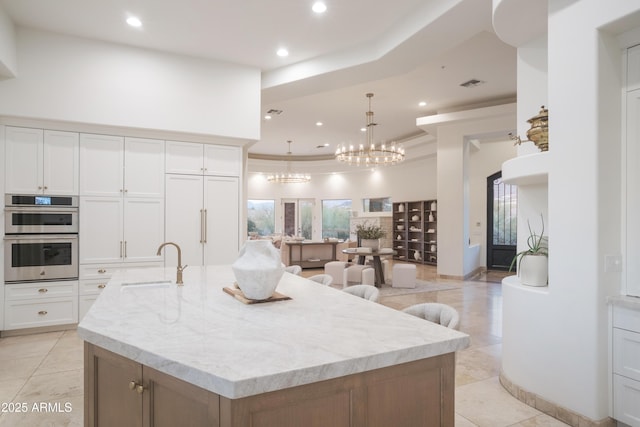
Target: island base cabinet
x,y
419,393
413,394
121,392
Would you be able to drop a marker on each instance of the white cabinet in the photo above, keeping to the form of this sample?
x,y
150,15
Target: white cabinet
x,y
95,277
113,166
626,365
30,305
121,199
41,162
120,229
202,217
203,159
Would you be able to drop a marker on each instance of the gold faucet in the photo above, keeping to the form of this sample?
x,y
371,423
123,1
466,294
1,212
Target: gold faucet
x,y
180,267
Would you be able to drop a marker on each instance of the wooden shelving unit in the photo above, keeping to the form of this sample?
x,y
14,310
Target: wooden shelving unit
x,y
415,233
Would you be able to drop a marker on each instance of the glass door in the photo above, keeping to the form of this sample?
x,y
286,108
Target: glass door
x,y
298,217
502,203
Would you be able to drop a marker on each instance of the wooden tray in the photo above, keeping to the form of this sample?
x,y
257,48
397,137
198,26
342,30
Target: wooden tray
x,y
237,293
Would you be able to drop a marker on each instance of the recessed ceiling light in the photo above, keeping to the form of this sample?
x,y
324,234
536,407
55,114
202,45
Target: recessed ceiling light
x,y
363,129
319,123
267,117
282,52
326,144
319,7
134,21
422,103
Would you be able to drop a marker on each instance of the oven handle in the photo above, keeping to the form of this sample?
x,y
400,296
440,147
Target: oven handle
x,y
41,237
31,209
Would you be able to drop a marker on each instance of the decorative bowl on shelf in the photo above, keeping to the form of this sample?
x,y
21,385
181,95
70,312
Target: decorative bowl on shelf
x,y
400,227
415,218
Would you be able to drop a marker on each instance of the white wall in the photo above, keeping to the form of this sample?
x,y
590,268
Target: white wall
x,y
78,80
7,46
560,350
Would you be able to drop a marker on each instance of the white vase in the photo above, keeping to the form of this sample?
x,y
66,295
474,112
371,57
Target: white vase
x,y
374,244
400,208
258,269
533,270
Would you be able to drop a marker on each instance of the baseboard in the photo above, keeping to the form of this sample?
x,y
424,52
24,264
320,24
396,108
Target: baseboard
x,y
467,276
553,410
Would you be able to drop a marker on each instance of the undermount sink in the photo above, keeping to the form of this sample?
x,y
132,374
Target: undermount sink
x,y
148,284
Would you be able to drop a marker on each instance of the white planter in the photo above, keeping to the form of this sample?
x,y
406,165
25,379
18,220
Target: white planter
x,y
534,270
258,269
374,244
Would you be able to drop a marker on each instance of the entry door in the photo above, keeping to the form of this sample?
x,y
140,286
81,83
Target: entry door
x,y
502,203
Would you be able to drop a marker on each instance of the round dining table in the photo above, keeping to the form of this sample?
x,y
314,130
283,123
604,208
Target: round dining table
x,y
375,255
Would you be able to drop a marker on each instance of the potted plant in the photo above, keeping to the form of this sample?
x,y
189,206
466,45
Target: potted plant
x,y
532,263
370,235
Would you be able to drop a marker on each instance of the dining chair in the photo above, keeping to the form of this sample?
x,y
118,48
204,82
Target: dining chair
x,y
367,292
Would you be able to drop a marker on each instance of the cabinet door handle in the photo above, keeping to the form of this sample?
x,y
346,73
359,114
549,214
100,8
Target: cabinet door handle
x,y
139,388
43,290
101,286
205,226
42,313
125,248
102,271
120,248
201,225
46,188
39,187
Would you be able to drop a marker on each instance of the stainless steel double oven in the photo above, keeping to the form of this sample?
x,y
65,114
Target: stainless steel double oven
x,y
41,238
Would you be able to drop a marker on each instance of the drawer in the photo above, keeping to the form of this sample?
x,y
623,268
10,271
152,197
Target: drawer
x,y
625,318
84,304
92,287
105,271
626,400
626,353
37,290
97,271
41,312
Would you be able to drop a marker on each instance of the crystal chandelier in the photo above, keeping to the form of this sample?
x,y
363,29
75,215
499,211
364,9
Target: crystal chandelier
x,y
288,177
371,154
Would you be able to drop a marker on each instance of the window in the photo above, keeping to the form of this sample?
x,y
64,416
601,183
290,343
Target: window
x,y
335,218
261,215
382,204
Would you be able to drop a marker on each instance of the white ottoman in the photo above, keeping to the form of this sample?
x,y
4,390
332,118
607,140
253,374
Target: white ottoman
x,y
404,276
360,274
335,269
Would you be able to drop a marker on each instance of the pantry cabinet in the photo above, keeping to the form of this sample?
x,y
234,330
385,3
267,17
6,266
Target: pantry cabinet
x,y
41,162
121,199
203,217
120,229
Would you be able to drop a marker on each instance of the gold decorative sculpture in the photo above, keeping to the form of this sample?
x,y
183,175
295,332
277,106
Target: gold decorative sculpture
x,y
538,133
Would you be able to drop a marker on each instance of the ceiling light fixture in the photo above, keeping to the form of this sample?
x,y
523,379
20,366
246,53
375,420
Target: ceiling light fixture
x,y
422,103
319,7
134,22
282,52
371,154
289,177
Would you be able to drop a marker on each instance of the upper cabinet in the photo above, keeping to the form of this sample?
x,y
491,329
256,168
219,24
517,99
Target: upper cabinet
x,y
113,166
203,159
41,162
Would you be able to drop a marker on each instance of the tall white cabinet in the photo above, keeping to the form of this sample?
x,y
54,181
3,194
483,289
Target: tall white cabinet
x,y
41,162
121,208
203,202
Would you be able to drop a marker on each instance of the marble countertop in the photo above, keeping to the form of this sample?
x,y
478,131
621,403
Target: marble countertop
x,y
202,335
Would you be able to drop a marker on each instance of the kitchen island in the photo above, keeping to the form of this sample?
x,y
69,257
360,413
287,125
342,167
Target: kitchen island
x,y
154,351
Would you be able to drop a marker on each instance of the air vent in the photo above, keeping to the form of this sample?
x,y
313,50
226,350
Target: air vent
x,y
273,111
472,83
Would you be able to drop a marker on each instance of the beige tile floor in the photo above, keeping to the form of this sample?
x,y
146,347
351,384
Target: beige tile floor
x,y
41,374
